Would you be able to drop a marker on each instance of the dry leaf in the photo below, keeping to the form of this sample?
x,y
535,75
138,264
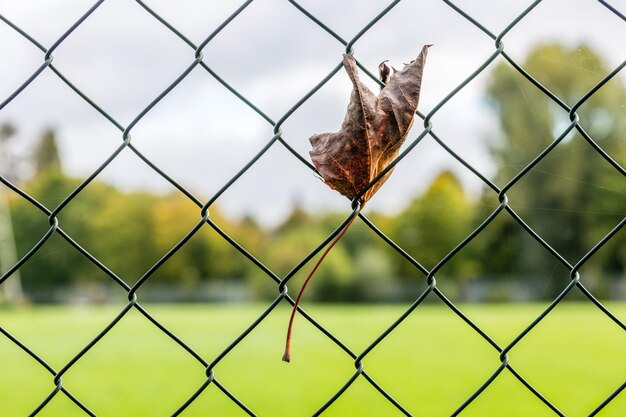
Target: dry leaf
x,y
370,137
372,132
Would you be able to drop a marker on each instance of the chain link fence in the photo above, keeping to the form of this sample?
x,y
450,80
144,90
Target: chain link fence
x,y
576,282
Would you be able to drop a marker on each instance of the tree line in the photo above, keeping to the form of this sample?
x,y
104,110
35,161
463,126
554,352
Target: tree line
x,y
571,199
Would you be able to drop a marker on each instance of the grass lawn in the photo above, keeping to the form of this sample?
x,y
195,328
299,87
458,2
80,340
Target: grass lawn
x,y
431,363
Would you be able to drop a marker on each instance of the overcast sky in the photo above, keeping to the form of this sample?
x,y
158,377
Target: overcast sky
x,y
201,135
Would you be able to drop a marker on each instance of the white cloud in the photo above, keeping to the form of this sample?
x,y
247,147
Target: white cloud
x,y
202,135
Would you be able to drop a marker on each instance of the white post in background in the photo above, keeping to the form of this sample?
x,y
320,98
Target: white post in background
x,y
11,288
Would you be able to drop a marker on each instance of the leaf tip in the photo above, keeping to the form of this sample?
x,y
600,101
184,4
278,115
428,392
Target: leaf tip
x,y
425,49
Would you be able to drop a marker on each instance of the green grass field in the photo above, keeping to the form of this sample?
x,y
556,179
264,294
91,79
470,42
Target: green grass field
x,y
431,363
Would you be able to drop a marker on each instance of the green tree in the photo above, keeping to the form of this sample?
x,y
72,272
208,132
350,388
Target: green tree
x,y
291,242
205,256
123,233
434,223
56,263
573,197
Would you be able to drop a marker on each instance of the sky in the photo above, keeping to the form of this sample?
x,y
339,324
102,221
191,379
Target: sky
x,y
201,135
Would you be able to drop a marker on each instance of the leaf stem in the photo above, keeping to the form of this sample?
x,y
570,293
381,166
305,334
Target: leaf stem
x,y
287,354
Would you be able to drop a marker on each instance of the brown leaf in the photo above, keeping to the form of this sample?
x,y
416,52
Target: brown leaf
x,y
372,132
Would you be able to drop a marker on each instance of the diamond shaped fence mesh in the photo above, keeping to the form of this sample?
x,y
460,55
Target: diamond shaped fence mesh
x,y
197,63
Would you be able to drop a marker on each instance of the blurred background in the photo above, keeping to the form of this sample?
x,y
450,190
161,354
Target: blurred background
x,y
215,339
201,135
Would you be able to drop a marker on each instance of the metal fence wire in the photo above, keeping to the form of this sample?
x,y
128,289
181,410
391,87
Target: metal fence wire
x,y
284,295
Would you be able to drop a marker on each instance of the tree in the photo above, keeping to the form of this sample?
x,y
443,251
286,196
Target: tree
x,y
56,263
434,223
123,233
7,130
46,156
573,197
205,256
290,243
